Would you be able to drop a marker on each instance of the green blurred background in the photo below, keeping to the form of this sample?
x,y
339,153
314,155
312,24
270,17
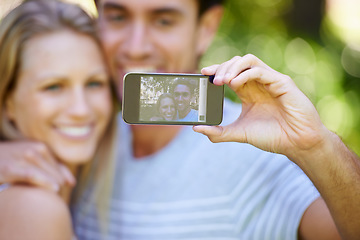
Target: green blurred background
x,y
315,42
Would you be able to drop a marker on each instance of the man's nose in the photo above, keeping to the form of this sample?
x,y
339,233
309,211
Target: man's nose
x,y
138,44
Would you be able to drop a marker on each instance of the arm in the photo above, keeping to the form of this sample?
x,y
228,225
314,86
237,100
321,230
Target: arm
x,y
278,117
335,171
32,163
33,213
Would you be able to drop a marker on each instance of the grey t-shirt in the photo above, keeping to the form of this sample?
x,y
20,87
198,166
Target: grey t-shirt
x,y
195,189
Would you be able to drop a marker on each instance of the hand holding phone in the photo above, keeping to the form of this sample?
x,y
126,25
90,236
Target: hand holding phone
x,y
171,99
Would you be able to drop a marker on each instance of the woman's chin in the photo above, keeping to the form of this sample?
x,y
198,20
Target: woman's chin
x,y
75,156
169,118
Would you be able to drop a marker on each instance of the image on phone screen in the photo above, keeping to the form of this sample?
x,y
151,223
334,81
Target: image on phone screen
x,y
164,98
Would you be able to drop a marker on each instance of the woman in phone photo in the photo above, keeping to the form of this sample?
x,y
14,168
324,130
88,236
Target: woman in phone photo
x,y
166,108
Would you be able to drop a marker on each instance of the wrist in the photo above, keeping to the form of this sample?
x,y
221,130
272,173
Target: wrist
x,y
318,155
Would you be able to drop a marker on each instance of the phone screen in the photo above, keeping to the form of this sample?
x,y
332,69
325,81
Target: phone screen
x,y
185,99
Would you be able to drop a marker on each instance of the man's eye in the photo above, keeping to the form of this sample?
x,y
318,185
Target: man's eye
x,y
115,17
164,22
183,94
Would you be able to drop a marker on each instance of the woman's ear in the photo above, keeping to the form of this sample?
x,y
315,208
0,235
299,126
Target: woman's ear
x,y
10,107
208,26
8,121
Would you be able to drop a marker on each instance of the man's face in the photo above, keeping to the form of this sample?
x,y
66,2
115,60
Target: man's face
x,y
182,97
151,36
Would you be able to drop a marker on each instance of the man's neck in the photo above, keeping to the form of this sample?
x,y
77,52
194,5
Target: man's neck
x,y
148,139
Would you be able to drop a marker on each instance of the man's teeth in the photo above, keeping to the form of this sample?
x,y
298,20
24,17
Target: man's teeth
x,y
75,131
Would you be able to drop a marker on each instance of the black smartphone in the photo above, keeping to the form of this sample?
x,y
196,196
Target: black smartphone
x,y
171,99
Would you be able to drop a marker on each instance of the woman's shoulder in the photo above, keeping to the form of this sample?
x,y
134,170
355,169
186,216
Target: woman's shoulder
x,y
33,213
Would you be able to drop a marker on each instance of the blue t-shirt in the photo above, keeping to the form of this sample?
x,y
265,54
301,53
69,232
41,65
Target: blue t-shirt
x,y
192,116
195,189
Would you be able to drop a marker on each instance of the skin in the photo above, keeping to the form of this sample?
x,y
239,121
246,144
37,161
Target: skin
x,y
289,124
144,35
64,102
145,38
136,42
30,209
182,97
167,109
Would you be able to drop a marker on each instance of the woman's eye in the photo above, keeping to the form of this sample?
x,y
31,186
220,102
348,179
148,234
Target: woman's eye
x,y
53,87
95,84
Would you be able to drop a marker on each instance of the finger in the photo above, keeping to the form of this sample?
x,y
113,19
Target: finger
x,y
41,159
30,175
69,177
210,70
46,153
275,83
241,65
60,171
222,71
251,60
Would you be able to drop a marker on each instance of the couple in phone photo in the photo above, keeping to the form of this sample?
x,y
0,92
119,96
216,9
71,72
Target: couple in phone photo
x,y
177,106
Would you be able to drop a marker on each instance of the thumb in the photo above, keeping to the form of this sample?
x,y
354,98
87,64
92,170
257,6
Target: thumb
x,y
212,132
229,133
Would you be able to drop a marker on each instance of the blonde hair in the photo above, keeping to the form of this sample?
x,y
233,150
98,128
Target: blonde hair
x,y
33,18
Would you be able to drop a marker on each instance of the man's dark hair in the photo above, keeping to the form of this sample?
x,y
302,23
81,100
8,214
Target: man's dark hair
x,y
204,5
183,82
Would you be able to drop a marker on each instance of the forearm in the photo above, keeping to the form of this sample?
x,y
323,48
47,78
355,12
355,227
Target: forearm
x,y
335,171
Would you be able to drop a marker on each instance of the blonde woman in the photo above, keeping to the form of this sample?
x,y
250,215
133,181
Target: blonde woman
x,y
55,89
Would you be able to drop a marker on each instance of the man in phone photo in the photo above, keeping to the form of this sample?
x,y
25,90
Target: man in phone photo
x,y
183,94
173,183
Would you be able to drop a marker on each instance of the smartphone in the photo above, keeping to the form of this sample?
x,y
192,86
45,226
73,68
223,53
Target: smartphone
x,y
171,99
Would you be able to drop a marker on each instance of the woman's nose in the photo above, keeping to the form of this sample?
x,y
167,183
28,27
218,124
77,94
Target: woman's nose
x,y
78,104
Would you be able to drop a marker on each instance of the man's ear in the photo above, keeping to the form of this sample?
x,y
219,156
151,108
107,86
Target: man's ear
x,y
208,26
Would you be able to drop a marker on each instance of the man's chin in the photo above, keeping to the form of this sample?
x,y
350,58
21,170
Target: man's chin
x,y
140,69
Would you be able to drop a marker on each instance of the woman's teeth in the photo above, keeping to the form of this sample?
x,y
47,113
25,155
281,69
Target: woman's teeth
x,y
75,131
